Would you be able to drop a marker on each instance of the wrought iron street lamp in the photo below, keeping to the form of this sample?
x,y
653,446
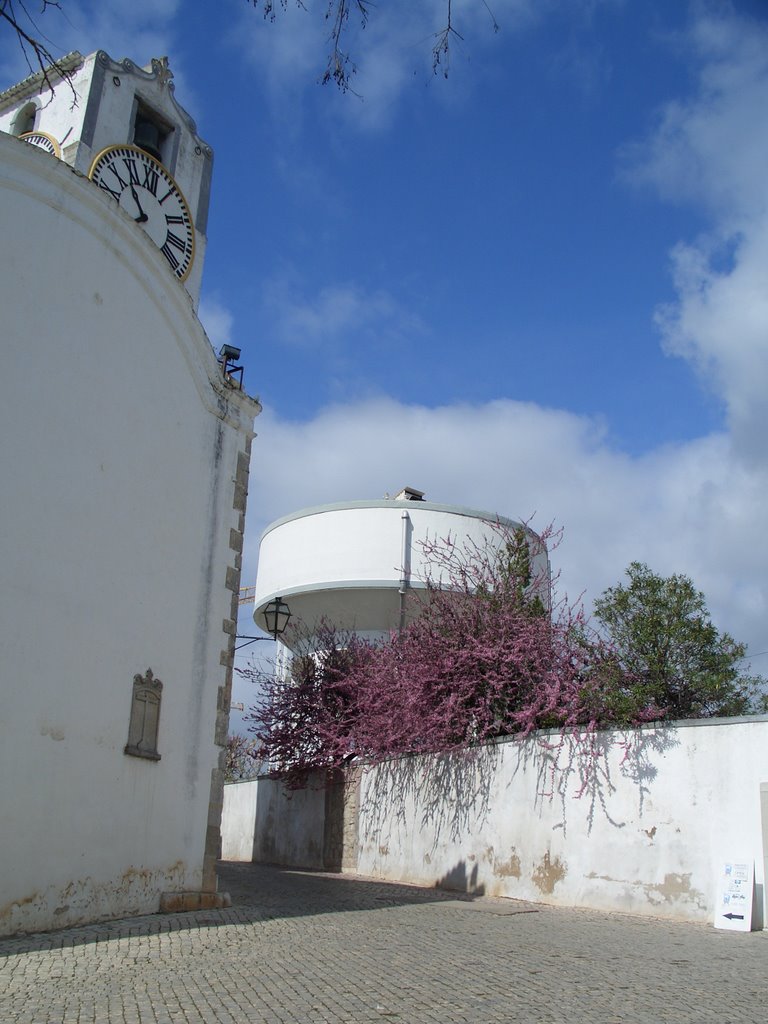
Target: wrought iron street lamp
x,y
276,617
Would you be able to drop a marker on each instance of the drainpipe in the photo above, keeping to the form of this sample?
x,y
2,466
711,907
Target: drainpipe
x,y
405,566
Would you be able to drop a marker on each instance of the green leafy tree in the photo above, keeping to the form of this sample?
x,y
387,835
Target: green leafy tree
x,y
515,571
667,653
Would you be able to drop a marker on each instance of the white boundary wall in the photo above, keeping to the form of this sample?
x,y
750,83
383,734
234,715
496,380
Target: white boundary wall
x,y
238,820
648,835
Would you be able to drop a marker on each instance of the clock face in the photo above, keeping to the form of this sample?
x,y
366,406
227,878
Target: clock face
x,y
44,141
147,192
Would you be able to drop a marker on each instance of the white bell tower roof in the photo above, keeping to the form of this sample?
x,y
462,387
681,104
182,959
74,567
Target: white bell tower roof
x,y
105,102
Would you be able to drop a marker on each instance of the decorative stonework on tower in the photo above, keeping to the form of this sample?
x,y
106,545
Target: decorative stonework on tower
x,y
122,126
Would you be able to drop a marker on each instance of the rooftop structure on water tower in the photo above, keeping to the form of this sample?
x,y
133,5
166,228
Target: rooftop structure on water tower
x,y
120,125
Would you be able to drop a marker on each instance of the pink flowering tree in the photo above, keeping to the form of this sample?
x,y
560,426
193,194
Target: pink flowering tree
x,y
488,652
307,721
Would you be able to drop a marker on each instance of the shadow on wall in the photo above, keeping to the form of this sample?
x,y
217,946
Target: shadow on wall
x,y
452,792
457,880
451,796
576,768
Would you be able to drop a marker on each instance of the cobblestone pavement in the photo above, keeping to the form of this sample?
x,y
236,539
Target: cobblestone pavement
x,y
302,948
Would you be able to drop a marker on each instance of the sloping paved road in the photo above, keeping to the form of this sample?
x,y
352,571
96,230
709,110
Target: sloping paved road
x,y
302,948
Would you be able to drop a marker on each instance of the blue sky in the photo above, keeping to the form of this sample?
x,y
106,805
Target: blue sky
x,y
538,287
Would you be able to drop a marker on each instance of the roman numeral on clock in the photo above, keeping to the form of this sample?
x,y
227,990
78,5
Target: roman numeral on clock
x,y
145,190
123,182
151,178
133,173
115,195
175,241
170,255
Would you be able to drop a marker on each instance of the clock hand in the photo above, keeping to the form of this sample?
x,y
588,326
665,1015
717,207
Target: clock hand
x,y
142,218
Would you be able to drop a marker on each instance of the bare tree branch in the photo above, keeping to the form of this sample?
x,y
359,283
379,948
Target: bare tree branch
x,y
441,51
341,67
37,56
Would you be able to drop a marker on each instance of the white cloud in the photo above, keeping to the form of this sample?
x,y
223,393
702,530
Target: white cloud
x,y
712,150
720,323
709,148
217,321
336,315
290,53
689,508
137,29
695,508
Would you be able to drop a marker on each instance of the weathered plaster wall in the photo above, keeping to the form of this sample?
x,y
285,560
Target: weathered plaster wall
x,y
647,835
316,827
646,832
290,825
122,454
238,820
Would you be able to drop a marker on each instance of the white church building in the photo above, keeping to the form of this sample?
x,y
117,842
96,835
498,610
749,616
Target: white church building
x,y
125,448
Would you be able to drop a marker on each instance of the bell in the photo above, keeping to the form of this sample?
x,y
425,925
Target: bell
x,y
147,137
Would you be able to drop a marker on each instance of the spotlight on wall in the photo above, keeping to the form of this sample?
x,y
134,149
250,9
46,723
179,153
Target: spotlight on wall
x,y
228,356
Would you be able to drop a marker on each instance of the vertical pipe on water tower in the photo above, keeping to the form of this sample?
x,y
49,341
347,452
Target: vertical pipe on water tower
x,y
405,566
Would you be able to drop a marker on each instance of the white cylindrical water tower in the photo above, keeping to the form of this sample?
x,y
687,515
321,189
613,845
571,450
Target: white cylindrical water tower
x,y
352,564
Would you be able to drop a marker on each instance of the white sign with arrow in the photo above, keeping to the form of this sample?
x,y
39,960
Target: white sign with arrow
x,y
733,907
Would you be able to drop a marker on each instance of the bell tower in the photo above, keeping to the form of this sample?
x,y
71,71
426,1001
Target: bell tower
x,y
121,125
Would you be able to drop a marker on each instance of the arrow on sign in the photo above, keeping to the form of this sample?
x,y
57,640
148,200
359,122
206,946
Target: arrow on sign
x,y
734,917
